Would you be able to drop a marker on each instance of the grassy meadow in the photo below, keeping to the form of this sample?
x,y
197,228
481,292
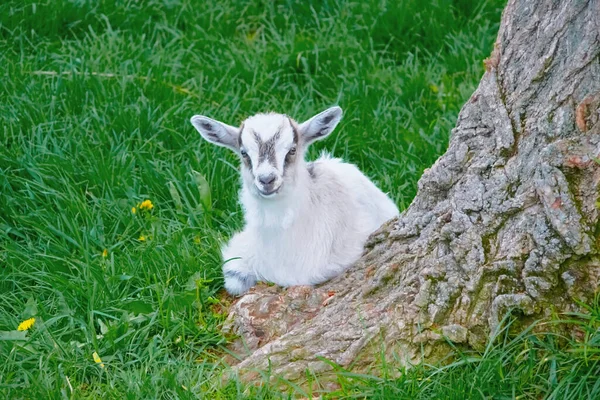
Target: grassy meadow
x,y
95,101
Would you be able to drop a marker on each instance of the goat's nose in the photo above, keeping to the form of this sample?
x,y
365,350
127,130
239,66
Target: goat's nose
x,y
267,179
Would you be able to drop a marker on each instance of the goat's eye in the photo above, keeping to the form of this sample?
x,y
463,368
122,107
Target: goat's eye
x,y
292,151
243,153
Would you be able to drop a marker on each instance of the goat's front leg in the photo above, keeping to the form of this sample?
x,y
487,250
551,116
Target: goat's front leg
x,y
239,275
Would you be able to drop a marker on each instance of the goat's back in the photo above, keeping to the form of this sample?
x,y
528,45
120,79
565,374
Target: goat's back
x,y
352,191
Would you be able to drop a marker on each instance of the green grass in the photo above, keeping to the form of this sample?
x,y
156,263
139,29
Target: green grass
x,y
95,99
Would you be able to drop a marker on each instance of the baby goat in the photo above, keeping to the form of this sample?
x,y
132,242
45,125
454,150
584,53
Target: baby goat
x,y
306,222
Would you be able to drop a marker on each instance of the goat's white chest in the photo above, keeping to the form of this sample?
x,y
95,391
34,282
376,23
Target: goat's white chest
x,y
289,253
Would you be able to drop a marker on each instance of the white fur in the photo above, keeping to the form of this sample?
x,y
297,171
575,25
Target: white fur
x,y
315,225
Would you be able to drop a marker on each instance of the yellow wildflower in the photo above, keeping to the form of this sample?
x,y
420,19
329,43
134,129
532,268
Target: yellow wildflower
x,y
97,359
142,238
146,205
27,324
251,36
105,253
133,210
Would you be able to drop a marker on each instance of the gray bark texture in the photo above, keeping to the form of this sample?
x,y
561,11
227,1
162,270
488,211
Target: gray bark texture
x,y
507,219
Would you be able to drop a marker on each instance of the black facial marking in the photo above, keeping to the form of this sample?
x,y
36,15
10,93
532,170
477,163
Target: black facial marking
x,y
266,150
293,130
290,156
240,136
245,157
247,160
256,137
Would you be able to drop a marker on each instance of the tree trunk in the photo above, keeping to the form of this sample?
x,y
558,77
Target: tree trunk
x,y
507,219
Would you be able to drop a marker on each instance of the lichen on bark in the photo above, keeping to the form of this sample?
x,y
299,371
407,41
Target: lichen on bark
x,y
506,219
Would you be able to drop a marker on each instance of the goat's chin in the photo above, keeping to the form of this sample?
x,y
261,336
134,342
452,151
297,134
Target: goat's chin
x,y
268,195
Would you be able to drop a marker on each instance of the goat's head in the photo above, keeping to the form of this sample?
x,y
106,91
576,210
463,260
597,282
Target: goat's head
x,y
271,146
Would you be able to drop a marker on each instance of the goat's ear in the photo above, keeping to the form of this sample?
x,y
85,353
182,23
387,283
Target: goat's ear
x,y
217,132
320,125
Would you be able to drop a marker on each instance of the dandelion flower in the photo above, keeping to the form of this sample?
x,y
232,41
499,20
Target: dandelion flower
x,y
105,253
97,359
146,205
142,238
27,324
133,210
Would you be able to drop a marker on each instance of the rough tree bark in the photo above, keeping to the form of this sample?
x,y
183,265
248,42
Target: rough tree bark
x,y
507,218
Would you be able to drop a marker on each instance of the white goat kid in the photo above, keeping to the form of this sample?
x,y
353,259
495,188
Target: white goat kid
x,y
306,222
